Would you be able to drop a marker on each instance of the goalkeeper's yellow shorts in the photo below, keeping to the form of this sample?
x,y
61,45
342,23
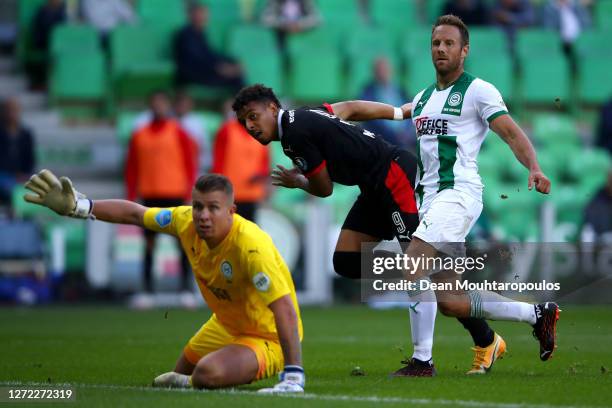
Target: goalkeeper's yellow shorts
x,y
212,336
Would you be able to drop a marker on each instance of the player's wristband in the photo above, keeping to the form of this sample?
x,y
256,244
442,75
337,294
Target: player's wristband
x,y
294,374
398,113
83,209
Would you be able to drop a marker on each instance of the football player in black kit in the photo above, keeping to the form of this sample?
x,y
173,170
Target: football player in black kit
x,y
325,148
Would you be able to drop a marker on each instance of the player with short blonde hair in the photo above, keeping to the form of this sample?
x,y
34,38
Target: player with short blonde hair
x,y
255,330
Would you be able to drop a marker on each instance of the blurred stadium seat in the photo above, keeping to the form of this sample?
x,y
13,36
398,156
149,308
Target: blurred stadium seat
x,y
136,69
74,39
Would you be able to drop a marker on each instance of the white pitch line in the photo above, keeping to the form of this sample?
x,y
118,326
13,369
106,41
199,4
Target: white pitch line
x,y
306,396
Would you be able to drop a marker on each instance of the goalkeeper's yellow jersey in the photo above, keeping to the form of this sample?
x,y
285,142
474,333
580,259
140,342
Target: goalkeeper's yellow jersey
x,y
238,278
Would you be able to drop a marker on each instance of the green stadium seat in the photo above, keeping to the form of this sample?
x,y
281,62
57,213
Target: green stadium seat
x,y
433,9
26,10
324,39
251,39
487,41
125,127
89,68
168,14
603,14
306,82
416,43
342,200
367,42
554,129
546,80
393,15
496,69
420,73
589,169
595,81
513,210
535,42
137,69
224,15
343,14
70,38
544,68
265,68
592,42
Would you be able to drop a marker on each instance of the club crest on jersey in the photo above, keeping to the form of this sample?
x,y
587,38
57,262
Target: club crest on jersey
x,y
455,99
163,218
300,163
226,270
261,282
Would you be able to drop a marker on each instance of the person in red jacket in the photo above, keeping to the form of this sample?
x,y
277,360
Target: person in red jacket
x,y
245,162
160,170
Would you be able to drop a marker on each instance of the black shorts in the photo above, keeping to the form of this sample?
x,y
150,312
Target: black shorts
x,y
388,210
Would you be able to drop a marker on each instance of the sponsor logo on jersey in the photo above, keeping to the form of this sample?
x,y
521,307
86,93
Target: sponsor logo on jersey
x,y
300,163
163,218
455,99
226,270
426,126
261,282
291,116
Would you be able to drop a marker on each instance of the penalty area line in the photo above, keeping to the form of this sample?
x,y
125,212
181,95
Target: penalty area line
x,y
305,396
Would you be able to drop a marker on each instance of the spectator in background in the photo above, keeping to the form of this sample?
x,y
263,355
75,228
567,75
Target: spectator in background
x,y
196,61
604,132
384,89
598,216
244,161
569,18
105,15
472,12
160,170
512,15
17,158
49,15
289,17
192,123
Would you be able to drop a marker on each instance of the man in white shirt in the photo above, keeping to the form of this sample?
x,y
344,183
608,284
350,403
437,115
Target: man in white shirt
x,y
105,15
452,118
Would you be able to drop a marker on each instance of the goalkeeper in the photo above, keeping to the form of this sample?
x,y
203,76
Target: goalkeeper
x,y
255,330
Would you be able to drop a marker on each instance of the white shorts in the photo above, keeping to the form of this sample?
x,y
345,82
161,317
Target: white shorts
x,y
447,219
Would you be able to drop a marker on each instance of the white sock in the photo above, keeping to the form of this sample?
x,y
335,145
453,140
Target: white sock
x,y
491,305
423,308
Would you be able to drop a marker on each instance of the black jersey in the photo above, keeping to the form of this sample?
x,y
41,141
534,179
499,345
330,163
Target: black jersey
x,y
315,138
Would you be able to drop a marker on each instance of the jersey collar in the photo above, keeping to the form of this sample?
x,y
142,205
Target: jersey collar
x,y
278,121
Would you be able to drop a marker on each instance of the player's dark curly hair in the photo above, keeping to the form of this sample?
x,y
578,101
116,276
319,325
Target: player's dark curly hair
x,y
452,20
254,93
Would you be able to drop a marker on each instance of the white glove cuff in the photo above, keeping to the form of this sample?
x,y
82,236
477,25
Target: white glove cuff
x,y
398,114
83,209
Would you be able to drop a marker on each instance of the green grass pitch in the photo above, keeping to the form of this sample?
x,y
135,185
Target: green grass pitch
x,y
110,355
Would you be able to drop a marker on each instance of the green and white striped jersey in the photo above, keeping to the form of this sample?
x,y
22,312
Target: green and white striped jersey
x,y
451,125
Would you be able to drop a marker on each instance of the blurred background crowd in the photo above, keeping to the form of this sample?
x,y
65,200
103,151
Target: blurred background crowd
x,y
87,85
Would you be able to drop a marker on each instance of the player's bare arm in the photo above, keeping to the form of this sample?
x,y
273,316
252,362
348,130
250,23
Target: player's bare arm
x,y
286,321
119,212
366,110
523,150
319,184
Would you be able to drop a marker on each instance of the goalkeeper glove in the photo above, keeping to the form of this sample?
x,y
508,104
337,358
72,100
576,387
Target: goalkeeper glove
x,y
58,195
292,379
